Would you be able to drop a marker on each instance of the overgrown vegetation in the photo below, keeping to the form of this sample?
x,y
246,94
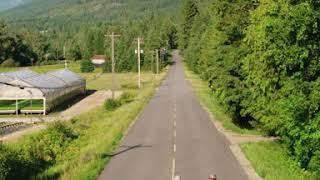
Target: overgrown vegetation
x,y
35,154
261,61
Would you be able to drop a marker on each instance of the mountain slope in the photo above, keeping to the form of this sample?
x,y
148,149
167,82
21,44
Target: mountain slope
x,y
8,4
60,11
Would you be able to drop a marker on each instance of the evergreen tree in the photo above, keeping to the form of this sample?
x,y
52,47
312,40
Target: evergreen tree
x,y
189,12
87,66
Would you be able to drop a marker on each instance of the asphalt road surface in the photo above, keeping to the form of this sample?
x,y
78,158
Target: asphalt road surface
x,y
173,136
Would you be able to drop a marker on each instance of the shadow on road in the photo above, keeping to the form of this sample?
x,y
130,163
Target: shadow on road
x,y
126,149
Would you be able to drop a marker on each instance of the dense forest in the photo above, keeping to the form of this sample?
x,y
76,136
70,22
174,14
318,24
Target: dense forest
x,y
25,47
261,61
55,13
27,40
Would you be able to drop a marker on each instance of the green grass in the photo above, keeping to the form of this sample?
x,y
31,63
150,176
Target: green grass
x,y
72,65
206,97
271,161
100,132
22,104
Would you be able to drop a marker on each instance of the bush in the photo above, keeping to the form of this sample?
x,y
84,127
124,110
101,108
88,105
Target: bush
x,y
14,166
9,63
49,145
111,104
87,66
5,162
36,154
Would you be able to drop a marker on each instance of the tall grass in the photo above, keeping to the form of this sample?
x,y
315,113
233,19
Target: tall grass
x,y
271,161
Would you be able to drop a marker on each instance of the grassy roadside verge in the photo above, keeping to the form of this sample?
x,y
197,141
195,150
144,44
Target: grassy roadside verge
x,y
98,134
271,161
204,94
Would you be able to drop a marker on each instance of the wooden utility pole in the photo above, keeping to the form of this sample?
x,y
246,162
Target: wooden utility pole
x,y
113,81
157,54
152,61
65,59
139,51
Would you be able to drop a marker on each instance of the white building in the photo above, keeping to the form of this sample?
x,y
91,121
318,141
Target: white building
x,y
98,60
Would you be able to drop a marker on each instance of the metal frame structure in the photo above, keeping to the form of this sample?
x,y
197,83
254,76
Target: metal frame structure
x,y
52,87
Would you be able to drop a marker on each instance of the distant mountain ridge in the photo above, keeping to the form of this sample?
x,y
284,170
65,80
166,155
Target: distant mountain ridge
x,y
48,12
8,4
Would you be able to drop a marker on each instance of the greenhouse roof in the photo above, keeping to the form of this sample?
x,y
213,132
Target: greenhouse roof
x,y
48,82
21,74
25,73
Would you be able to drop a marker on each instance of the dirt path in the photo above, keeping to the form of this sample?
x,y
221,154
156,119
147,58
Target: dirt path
x,y
83,106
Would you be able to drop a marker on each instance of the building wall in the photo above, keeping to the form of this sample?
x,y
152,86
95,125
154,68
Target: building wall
x,y
98,61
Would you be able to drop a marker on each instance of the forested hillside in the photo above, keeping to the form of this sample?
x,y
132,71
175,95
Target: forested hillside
x,y
8,4
43,32
261,61
46,13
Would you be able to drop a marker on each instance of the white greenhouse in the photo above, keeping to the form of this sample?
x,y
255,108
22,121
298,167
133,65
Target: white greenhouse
x,y
26,91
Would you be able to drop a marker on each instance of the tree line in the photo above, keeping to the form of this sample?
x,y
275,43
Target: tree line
x,y
39,46
261,60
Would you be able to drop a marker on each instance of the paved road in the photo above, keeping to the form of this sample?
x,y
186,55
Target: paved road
x,y
173,136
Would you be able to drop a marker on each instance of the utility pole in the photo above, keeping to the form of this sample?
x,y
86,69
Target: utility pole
x,y
152,61
157,54
64,56
113,82
139,51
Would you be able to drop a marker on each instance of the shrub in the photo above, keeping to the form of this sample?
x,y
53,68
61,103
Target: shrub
x,y
87,66
4,162
9,63
111,104
49,145
13,166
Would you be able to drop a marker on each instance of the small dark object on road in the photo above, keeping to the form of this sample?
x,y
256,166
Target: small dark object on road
x,y
213,177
